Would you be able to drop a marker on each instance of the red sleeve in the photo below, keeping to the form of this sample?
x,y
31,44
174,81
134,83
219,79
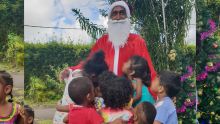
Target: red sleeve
x,y
143,51
95,48
95,117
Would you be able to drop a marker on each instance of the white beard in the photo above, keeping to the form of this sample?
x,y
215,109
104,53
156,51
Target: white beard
x,y
118,31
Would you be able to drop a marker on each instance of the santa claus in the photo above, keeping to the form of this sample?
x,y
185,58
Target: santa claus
x,y
119,44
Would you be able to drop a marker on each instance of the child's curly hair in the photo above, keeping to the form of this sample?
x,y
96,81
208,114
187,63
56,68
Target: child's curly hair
x,y
95,66
106,76
116,92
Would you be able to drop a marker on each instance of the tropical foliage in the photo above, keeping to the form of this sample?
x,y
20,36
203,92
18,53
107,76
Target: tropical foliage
x,y
147,18
12,20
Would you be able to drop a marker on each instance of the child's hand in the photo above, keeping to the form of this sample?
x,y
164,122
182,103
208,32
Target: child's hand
x,y
21,111
64,74
21,117
137,80
174,100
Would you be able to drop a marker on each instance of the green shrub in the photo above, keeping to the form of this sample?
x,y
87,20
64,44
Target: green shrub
x,y
1,56
185,56
20,59
15,50
39,58
43,63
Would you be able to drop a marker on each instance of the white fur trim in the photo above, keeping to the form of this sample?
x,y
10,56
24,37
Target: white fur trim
x,y
119,3
116,58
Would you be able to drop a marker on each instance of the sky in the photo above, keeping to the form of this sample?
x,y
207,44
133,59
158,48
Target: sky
x,y
58,13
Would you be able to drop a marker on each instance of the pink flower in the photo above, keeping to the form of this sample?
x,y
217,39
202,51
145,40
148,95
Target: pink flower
x,y
210,68
181,109
190,69
217,65
202,76
188,74
190,104
203,35
212,25
190,94
212,29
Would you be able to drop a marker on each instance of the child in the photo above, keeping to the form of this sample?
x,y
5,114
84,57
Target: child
x,y
116,94
144,113
137,70
98,101
27,114
9,111
91,69
166,86
81,91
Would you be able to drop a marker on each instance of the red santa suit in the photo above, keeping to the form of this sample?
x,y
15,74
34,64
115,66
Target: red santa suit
x,y
115,57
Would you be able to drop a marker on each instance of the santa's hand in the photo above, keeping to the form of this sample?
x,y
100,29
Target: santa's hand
x,y
64,74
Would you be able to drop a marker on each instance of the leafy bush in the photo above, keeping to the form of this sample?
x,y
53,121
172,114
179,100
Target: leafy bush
x,y
185,56
15,50
20,59
1,56
43,63
42,90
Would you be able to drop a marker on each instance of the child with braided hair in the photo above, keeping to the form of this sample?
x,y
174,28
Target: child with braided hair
x,y
9,111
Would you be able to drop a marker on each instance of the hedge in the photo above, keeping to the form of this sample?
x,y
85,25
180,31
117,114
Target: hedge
x,y
43,62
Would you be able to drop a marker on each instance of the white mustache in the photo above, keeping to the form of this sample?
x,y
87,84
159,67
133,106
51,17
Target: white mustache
x,y
117,21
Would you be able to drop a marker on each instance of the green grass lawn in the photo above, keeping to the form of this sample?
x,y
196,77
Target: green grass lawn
x,y
48,104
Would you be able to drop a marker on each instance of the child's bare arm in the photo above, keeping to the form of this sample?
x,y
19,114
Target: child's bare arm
x,y
138,89
65,119
117,121
156,122
62,108
20,118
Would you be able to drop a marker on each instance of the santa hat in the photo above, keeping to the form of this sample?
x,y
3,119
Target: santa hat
x,y
120,3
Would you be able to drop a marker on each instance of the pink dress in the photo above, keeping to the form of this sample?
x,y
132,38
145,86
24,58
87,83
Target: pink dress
x,y
12,117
